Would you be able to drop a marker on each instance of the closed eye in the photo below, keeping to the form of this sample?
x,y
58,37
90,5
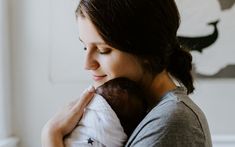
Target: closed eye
x,y
104,51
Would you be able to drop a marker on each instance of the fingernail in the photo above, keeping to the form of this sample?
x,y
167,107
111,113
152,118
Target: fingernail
x,y
91,89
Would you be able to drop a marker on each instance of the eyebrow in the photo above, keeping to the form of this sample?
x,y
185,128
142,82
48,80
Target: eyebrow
x,y
80,39
97,43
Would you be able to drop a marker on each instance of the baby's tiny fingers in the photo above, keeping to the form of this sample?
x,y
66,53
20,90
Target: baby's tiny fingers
x,y
84,99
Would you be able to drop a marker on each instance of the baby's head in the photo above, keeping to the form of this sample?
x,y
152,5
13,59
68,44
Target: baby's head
x,y
127,100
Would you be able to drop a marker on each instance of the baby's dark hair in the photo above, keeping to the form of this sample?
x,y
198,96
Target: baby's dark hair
x,y
126,99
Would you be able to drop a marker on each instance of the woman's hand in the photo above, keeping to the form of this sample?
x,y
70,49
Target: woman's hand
x,y
63,122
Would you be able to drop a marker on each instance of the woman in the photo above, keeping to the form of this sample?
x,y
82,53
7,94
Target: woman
x,y
137,39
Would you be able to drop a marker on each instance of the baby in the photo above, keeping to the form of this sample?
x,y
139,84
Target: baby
x,y
115,111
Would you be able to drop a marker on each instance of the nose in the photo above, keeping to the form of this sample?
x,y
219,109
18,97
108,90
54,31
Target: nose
x,y
91,62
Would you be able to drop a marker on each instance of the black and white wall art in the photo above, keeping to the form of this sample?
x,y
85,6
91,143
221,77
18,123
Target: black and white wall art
x,y
208,30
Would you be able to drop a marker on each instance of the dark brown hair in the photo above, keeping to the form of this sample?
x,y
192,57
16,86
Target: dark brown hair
x,y
127,94
145,28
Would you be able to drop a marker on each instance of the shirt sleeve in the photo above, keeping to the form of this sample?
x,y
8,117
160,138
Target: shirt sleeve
x,y
177,128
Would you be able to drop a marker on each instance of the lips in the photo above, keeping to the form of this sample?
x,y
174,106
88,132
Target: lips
x,y
98,77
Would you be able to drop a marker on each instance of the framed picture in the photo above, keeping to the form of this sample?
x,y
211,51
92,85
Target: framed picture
x,y
208,30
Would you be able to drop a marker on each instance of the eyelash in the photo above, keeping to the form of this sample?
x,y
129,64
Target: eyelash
x,y
105,52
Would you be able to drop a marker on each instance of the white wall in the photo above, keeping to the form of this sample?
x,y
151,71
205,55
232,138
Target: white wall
x,y
5,127
6,134
216,98
46,65
36,95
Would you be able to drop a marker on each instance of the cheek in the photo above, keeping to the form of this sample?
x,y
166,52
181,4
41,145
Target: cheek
x,y
126,68
121,65
110,66
134,70
135,73
114,69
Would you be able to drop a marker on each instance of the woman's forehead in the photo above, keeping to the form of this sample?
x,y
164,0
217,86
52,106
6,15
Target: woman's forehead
x,y
87,32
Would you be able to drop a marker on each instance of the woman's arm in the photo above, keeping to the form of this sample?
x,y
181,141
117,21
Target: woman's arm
x,y
63,122
51,140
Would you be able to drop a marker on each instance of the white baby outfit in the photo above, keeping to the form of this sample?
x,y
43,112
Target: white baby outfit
x,y
99,127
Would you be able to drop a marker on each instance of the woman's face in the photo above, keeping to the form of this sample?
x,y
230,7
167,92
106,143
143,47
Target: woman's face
x,y
103,61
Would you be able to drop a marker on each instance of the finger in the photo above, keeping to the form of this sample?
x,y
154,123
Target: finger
x,y
87,95
89,89
84,100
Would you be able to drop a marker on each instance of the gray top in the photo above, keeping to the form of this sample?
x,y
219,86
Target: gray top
x,y
176,121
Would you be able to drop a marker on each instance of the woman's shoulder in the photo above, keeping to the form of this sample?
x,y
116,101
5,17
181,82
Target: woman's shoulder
x,y
175,107
174,114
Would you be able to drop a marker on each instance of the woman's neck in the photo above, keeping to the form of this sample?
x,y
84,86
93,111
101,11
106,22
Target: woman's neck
x,y
161,84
